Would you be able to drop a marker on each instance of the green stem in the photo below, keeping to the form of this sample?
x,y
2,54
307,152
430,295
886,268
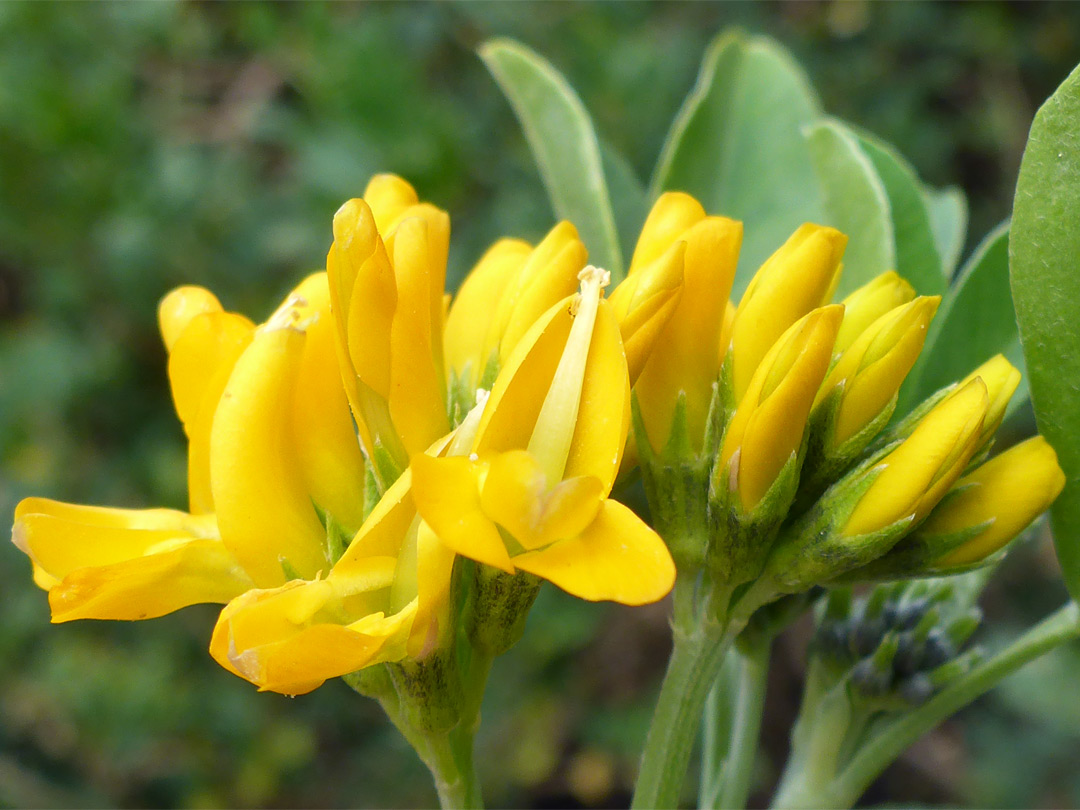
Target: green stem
x,y
699,649
738,770
892,740
716,727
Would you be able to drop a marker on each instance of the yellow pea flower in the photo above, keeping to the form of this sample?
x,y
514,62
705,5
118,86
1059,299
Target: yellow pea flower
x,y
863,307
676,362
511,286
385,599
875,364
1002,496
387,270
917,474
532,493
1001,378
767,428
799,277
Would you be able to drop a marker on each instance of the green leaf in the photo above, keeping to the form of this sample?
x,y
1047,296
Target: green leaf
x,y
975,321
949,219
917,257
855,202
563,141
628,198
1045,272
737,144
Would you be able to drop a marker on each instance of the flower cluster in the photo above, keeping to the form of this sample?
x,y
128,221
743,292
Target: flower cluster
x,y
373,472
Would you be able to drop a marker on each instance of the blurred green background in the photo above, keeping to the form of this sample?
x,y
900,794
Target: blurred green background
x,y
145,145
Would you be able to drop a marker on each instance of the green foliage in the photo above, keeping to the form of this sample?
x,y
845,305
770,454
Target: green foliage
x,y
737,144
1043,263
564,143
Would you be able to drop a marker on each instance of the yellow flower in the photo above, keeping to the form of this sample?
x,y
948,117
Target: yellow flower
x,y
799,277
678,360
511,286
767,428
918,473
385,599
532,493
875,364
1001,378
268,414
387,269
868,303
1002,496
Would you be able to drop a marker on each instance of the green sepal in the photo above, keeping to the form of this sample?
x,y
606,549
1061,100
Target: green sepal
x,y
337,536
676,483
430,689
386,468
827,461
288,569
914,557
813,550
373,682
497,606
739,541
371,490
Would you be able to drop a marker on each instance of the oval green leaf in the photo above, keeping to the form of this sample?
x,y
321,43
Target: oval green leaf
x,y
1045,271
564,144
855,201
737,144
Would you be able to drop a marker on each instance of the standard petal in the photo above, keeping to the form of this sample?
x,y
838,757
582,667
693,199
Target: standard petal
x,y
617,558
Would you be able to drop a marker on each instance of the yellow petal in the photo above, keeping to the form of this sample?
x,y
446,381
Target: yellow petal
x,y
363,295
383,531
1011,490
279,640
183,572
264,510
793,281
921,470
516,495
617,558
200,363
774,411
1001,379
868,303
480,293
328,450
388,195
178,308
447,496
434,566
671,215
681,360
417,396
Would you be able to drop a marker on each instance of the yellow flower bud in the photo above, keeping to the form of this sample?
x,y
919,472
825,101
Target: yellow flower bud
x,y
679,361
799,277
868,303
767,427
180,307
873,367
1001,378
918,473
508,290
387,272
1006,494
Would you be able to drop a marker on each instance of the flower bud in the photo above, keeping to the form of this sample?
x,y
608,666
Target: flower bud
x,y
868,303
680,362
799,277
1001,379
999,499
871,370
768,425
911,479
